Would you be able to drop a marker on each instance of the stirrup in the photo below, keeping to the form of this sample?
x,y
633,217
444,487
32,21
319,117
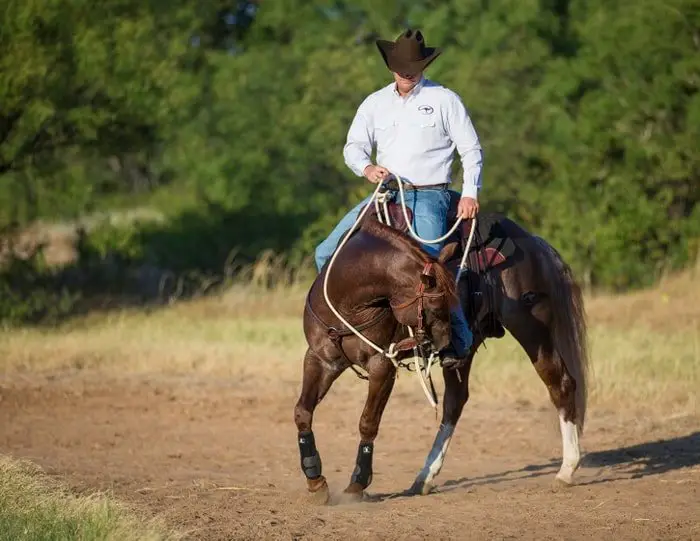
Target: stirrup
x,y
450,360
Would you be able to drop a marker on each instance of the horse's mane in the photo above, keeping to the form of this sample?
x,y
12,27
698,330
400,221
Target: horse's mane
x,y
408,245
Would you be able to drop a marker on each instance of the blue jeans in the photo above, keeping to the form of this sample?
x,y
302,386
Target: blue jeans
x,y
429,209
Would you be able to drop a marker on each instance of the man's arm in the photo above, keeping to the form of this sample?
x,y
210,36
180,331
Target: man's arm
x,y
461,131
360,140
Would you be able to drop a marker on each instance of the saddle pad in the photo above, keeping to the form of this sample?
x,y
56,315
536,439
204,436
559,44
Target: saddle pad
x,y
488,258
492,246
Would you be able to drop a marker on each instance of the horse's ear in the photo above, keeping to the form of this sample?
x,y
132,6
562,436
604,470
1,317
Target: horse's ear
x,y
448,251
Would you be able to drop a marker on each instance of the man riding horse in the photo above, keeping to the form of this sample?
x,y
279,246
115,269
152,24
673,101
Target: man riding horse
x,y
415,125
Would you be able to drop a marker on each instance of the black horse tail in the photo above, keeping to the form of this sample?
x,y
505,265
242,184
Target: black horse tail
x,y
569,333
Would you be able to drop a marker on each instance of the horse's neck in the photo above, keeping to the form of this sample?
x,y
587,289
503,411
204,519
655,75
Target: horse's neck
x,y
368,275
383,274
371,283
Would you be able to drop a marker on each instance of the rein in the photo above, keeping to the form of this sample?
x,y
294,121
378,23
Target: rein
x,y
392,352
419,299
381,198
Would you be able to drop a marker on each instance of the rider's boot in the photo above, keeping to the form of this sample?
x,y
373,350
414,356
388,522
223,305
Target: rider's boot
x,y
456,354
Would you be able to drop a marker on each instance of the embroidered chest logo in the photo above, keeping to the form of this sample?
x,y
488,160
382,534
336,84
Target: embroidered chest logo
x,y
426,109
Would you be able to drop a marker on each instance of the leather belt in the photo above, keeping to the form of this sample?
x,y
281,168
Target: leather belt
x,y
414,187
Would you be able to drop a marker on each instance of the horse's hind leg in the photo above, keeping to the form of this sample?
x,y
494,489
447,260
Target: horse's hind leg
x,y
382,374
534,335
318,378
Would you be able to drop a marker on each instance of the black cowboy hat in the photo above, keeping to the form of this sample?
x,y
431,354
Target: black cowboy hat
x,y
408,54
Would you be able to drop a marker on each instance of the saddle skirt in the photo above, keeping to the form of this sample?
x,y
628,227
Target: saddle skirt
x,y
492,246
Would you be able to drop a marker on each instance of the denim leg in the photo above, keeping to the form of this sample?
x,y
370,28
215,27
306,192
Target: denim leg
x,y
429,215
462,337
324,251
430,222
429,209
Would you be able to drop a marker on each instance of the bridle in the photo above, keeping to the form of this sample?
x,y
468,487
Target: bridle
x,y
413,341
421,295
419,337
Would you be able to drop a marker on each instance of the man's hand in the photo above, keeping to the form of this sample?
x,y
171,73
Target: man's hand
x,y
468,208
376,173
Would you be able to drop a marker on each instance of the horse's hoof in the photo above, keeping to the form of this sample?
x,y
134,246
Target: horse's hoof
x,y
565,476
354,493
421,488
427,489
563,481
319,494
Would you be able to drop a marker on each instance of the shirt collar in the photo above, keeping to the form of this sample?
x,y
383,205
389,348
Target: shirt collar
x,y
413,93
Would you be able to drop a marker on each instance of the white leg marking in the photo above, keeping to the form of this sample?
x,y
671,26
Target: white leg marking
x,y
571,453
436,465
433,463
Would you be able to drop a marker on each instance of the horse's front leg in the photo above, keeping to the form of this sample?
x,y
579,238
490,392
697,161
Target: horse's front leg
x,y
456,396
318,378
382,374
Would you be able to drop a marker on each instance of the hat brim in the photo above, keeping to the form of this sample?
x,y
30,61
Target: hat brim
x,y
386,48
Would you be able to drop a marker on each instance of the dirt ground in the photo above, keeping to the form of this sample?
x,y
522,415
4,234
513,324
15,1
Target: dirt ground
x,y
218,460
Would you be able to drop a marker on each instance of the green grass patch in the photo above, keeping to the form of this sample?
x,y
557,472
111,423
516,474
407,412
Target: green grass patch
x,y
34,508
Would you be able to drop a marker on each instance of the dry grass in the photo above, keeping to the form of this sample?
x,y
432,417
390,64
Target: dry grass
x,y
34,508
674,305
645,350
645,346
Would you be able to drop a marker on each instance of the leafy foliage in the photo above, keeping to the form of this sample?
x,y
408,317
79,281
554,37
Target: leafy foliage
x,y
230,117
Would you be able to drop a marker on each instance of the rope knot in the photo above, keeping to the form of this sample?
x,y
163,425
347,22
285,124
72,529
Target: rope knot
x,y
384,197
381,198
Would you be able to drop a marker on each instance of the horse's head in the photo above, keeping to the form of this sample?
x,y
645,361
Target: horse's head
x,y
425,305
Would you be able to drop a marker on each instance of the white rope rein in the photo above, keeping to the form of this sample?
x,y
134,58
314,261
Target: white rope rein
x,y
390,353
382,199
463,263
410,226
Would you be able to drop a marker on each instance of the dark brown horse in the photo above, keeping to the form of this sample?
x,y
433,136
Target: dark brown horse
x,y
381,282
519,282
516,280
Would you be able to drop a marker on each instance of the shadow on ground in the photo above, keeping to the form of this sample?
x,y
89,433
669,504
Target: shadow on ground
x,y
631,462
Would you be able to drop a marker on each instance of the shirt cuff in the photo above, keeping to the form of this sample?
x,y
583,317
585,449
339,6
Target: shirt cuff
x,y
470,191
362,167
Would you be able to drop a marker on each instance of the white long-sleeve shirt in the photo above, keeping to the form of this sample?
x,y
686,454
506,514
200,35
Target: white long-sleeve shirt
x,y
416,136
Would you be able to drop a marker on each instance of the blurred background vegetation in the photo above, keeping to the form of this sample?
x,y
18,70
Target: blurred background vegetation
x,y
153,149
